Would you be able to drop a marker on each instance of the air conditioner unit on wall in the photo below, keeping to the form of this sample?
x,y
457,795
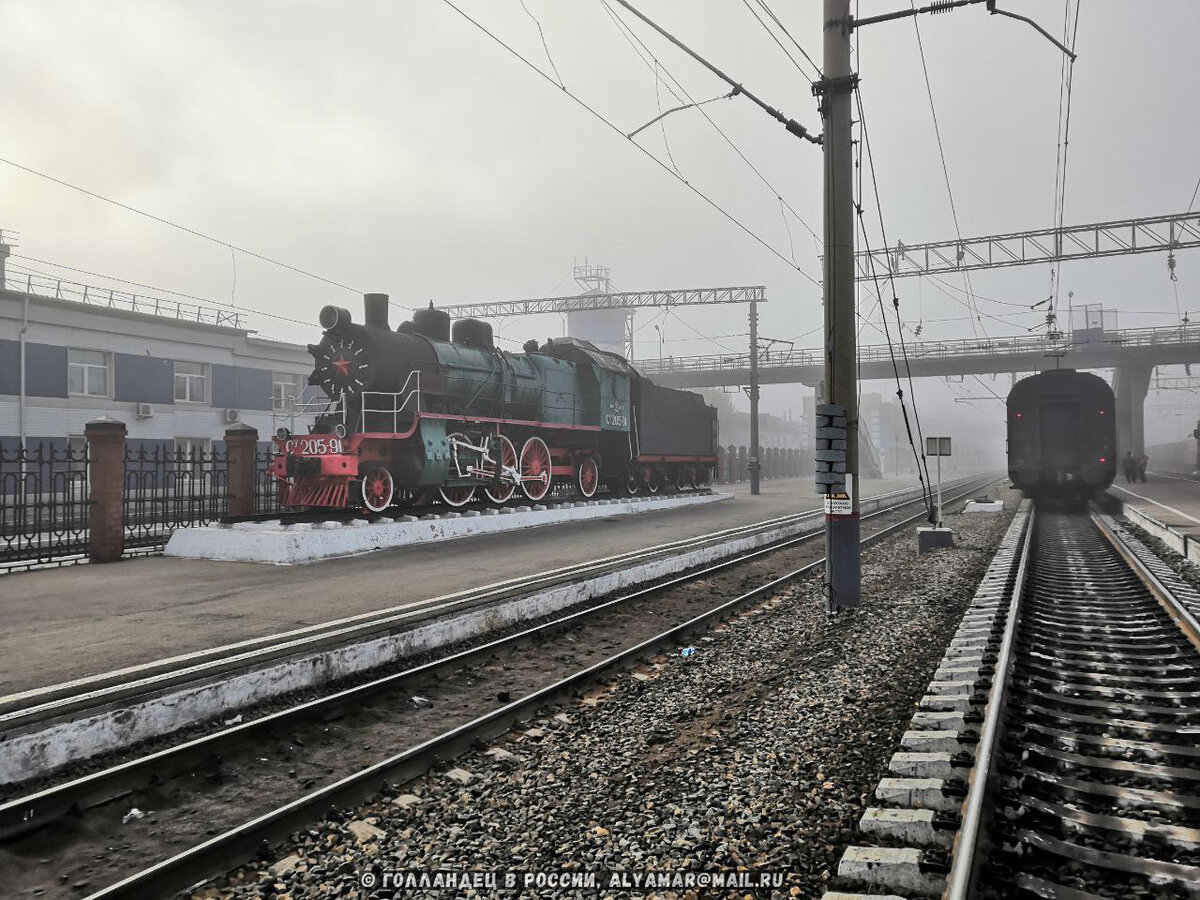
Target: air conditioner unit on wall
x,y
145,411
231,416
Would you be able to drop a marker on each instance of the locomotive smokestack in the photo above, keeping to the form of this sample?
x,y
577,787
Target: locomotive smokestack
x,y
376,308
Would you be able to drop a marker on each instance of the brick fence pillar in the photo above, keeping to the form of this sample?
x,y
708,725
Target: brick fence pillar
x,y
241,449
106,477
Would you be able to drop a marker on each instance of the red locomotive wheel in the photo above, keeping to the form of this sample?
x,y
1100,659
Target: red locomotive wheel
x,y
535,469
502,492
686,480
589,477
459,495
652,480
378,489
632,484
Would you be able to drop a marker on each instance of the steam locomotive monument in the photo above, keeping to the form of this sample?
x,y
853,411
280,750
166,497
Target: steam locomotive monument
x,y
437,411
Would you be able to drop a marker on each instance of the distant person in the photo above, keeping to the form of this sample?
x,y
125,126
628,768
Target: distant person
x,y
1129,464
1143,461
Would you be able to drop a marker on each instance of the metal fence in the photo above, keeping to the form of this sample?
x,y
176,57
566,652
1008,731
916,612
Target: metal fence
x,y
266,487
43,506
168,489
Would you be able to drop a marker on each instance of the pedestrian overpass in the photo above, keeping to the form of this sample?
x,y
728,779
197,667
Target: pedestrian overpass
x,y
1132,354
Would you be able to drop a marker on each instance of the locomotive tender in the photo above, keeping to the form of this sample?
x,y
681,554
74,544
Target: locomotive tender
x,y
438,410
1062,435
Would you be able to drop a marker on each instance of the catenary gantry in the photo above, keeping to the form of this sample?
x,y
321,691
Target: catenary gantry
x,y
1024,248
612,300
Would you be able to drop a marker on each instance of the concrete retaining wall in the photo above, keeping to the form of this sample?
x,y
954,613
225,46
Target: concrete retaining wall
x,y
1176,540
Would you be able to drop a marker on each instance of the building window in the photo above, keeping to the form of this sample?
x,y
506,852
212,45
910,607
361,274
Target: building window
x,y
191,382
285,391
87,373
193,449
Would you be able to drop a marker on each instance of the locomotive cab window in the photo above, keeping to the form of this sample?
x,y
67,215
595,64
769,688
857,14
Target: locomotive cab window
x,y
191,382
88,373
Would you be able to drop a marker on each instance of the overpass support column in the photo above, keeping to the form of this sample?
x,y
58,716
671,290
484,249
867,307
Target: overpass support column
x,y
1131,382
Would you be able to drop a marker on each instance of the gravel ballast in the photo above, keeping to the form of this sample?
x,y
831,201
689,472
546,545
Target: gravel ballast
x,y
759,750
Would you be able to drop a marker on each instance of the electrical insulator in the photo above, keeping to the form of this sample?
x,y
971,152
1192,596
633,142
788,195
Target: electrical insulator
x,y
1171,265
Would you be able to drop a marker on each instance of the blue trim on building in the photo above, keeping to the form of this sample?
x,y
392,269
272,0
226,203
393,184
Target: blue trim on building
x,y
10,367
236,387
143,379
45,370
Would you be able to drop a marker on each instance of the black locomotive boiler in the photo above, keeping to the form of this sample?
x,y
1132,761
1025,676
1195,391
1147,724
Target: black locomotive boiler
x,y
1062,435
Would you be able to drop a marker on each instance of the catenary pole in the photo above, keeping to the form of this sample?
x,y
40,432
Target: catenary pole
x,y
843,565
755,465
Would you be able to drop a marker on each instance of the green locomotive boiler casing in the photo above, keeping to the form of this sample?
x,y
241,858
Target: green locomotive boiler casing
x,y
565,385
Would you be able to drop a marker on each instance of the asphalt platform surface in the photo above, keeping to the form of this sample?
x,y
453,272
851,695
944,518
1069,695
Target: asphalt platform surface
x,y
78,621
1172,499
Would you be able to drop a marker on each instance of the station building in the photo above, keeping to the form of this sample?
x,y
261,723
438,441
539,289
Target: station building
x,y
177,374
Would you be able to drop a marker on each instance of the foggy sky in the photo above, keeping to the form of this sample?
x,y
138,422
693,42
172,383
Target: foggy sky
x,y
392,147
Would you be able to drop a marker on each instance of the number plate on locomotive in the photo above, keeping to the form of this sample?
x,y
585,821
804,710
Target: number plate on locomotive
x,y
318,446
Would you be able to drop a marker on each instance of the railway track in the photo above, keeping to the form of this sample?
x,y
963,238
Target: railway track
x,y
107,712
1057,754
224,851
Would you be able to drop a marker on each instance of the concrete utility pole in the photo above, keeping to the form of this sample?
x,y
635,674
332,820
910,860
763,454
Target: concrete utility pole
x,y
843,572
755,466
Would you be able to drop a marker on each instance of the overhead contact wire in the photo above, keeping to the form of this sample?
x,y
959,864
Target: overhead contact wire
x,y
582,103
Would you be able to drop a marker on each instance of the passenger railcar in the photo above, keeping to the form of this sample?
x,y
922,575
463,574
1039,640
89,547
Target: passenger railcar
x,y
1062,439
437,410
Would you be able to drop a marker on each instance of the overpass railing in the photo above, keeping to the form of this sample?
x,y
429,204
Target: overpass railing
x,y
1080,342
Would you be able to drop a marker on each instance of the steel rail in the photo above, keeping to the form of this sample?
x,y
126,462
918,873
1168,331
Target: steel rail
x,y
103,690
969,851
1182,616
967,855
197,865
34,811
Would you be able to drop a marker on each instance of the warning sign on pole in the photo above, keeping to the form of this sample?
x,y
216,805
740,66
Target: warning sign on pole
x,y
839,503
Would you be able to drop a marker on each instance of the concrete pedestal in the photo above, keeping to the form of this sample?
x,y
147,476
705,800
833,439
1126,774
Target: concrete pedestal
x,y
934,539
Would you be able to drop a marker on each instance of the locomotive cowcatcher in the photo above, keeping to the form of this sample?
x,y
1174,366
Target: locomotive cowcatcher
x,y
433,410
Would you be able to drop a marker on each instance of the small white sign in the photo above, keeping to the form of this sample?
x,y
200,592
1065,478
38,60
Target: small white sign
x,y
937,446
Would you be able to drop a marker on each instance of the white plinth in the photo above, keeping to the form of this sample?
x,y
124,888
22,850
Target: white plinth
x,y
279,544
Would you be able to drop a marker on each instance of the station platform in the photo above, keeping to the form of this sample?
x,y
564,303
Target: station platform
x,y
1171,499
69,623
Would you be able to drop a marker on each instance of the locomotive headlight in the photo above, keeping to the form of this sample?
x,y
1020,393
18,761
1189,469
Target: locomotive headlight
x,y
283,434
340,430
